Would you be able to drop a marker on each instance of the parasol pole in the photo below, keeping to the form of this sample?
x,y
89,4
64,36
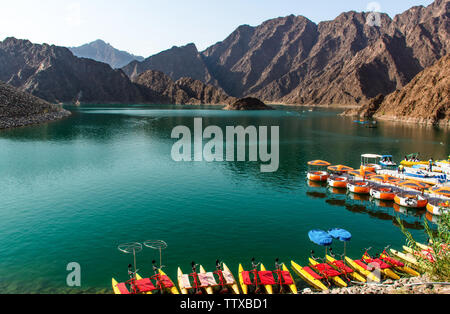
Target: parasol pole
x,y
157,245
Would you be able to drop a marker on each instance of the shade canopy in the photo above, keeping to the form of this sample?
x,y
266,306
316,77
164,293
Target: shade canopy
x,y
320,237
413,185
361,173
340,234
371,156
442,191
384,178
319,163
340,168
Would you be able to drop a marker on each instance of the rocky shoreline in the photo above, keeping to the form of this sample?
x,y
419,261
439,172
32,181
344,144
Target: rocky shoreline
x,y
16,122
18,109
414,285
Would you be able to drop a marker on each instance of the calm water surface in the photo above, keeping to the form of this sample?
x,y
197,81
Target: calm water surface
x,y
73,190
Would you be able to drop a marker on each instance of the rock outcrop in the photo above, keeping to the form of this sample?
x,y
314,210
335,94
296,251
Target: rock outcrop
x,y
20,109
426,99
183,91
103,52
248,103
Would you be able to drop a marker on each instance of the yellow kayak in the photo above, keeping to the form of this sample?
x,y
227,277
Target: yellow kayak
x,y
409,164
209,290
354,275
387,272
369,275
235,286
336,279
180,282
269,288
244,287
407,257
115,286
309,279
292,287
405,269
172,290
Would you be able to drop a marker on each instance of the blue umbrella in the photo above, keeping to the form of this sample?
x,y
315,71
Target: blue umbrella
x,y
320,237
341,235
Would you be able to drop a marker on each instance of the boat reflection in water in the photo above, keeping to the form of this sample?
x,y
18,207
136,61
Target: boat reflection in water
x,y
337,191
316,184
359,197
378,209
383,204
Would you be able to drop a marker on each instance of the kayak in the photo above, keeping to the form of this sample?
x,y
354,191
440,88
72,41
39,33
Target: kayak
x,y
172,290
183,289
119,288
336,279
340,265
235,286
209,290
309,276
399,265
244,287
425,254
292,287
409,258
269,288
362,269
410,164
385,268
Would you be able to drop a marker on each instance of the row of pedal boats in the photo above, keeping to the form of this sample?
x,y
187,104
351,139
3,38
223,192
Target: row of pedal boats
x,y
320,274
385,188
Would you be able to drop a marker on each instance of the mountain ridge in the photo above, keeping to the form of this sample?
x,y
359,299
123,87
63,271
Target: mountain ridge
x,y
101,51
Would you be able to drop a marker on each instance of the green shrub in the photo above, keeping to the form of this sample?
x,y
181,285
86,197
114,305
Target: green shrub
x,y
439,241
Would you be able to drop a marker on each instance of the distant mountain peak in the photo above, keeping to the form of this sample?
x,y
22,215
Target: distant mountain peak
x,y
101,51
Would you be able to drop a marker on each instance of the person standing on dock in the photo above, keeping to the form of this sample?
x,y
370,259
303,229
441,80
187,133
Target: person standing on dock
x,y
430,165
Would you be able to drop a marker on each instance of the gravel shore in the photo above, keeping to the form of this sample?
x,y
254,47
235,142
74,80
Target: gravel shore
x,y
15,122
414,285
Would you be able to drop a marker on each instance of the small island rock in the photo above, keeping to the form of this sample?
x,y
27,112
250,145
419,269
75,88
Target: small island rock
x,y
248,104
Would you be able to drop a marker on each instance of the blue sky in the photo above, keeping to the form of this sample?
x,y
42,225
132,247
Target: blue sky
x,y
146,27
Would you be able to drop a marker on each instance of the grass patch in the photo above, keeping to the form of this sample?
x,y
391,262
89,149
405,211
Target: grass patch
x,y
438,270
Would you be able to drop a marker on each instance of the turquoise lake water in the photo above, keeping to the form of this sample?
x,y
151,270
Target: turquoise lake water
x,y
73,190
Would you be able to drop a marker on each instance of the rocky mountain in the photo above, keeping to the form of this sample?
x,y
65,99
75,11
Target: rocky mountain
x,y
346,61
183,91
103,52
426,99
176,62
19,109
56,75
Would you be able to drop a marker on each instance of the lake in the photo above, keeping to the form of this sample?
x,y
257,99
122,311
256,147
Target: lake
x,y
73,190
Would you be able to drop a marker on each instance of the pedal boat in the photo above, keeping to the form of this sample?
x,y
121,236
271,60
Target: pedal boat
x,y
359,187
438,207
382,193
411,200
338,182
309,276
318,176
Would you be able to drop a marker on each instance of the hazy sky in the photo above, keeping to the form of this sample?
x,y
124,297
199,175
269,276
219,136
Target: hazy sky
x,y
146,27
